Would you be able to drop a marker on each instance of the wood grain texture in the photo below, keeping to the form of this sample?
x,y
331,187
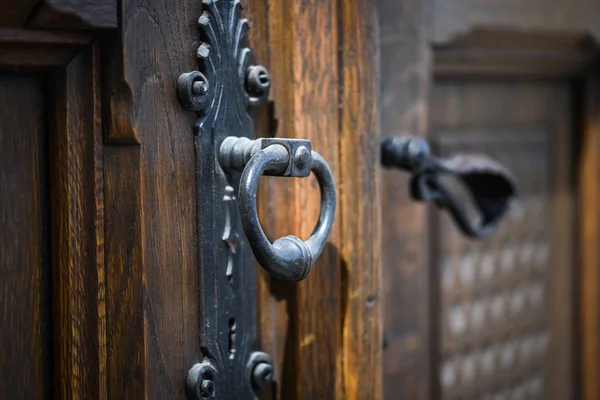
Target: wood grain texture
x,y
324,334
15,13
26,354
589,241
456,17
405,76
77,229
359,212
35,49
75,14
152,265
302,324
126,339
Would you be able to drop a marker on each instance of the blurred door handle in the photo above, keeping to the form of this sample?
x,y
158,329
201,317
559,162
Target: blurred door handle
x,y
490,185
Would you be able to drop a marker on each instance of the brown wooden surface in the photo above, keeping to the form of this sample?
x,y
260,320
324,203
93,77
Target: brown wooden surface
x,y
26,355
502,53
75,14
303,41
359,213
77,229
465,105
150,202
15,13
589,240
456,17
37,49
405,75
124,299
324,334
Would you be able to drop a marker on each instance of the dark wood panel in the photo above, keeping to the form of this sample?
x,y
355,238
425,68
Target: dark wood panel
x,y
75,14
465,105
456,17
493,320
25,299
405,76
503,53
126,339
15,13
30,49
152,261
77,229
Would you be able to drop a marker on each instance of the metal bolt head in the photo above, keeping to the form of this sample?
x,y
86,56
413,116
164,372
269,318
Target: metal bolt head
x,y
207,389
192,88
262,375
199,87
258,80
200,381
300,155
302,158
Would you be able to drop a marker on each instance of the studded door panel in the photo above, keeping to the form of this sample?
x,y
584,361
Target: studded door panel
x,y
493,328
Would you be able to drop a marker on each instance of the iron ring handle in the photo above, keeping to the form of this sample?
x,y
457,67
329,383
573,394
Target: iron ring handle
x,y
288,258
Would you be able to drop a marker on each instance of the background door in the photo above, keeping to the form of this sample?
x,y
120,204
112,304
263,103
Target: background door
x,y
508,316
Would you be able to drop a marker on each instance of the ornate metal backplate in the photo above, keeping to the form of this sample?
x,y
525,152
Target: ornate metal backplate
x,y
493,319
222,91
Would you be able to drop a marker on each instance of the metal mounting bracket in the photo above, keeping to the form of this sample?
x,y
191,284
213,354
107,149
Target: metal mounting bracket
x,y
222,91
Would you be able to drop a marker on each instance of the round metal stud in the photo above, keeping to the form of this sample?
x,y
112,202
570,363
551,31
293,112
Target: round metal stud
x,y
200,381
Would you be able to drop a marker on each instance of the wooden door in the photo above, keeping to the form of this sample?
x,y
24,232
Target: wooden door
x,y
504,315
510,316
101,251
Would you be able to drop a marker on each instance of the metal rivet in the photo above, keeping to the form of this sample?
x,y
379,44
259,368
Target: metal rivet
x,y
207,389
302,158
262,375
199,87
258,80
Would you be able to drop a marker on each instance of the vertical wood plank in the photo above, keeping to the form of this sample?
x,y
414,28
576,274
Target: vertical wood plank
x,y
323,350
589,240
77,236
315,117
124,264
405,70
302,326
15,14
150,188
359,212
25,291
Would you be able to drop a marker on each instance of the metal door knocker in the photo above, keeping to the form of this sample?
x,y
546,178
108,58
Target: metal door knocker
x,y
491,186
228,228
288,258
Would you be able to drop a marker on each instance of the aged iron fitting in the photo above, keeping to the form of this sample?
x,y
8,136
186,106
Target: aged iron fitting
x,y
288,258
223,89
491,187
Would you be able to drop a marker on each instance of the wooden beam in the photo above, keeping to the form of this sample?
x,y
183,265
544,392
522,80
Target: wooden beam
x,y
405,77
77,230
589,241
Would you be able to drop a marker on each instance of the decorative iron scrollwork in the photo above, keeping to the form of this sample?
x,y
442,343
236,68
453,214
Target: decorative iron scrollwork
x,y
223,89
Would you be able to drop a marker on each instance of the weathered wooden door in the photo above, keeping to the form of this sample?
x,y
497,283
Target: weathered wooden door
x,y
114,255
512,316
